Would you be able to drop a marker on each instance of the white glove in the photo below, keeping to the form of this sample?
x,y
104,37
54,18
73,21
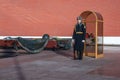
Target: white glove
x,y
73,40
83,41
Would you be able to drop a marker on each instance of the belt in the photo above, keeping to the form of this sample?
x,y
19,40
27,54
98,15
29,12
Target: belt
x,y
79,32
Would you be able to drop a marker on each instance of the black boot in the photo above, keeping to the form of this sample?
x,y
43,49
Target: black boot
x,y
80,55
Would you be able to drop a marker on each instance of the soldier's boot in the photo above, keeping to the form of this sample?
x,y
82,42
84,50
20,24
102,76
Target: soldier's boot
x,y
80,55
75,55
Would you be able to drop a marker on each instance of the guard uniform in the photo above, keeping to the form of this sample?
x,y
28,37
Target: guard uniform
x,y
78,36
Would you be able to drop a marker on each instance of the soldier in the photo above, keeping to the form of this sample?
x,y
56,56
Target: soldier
x,y
78,39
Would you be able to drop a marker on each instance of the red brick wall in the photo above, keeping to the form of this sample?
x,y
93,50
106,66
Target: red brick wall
x,y
55,17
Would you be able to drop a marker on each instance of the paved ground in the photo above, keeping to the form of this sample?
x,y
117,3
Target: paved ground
x,y
59,65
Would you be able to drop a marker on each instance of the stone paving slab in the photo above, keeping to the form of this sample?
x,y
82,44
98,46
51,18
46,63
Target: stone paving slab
x,y
49,65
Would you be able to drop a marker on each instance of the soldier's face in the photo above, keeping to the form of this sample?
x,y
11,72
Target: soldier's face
x,y
79,21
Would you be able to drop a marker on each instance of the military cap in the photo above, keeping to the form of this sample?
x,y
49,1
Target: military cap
x,y
79,18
